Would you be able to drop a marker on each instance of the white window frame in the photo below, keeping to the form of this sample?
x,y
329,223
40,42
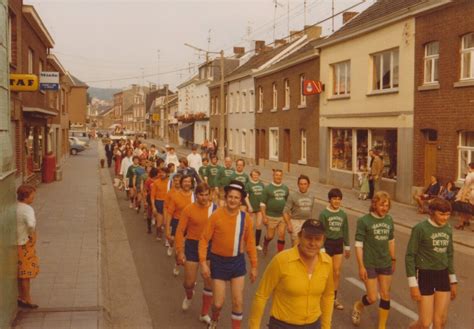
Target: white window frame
x,y
380,88
303,147
243,141
302,96
30,61
274,97
260,99
251,101
287,94
470,156
230,138
231,103
467,52
273,146
337,69
434,61
236,141
244,101
237,102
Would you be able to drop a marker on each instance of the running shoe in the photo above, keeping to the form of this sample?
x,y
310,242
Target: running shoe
x,y
259,248
186,302
355,317
212,325
167,244
158,238
205,318
338,305
175,270
169,251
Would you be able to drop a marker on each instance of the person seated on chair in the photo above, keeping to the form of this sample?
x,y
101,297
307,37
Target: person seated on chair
x,y
430,192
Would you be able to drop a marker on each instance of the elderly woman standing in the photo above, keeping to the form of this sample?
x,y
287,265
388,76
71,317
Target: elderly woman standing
x,y
28,267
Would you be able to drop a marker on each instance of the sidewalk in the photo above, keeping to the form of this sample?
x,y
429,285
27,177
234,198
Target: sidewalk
x,y
403,215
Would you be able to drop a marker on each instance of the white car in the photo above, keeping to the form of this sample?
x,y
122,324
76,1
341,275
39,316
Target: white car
x,y
76,140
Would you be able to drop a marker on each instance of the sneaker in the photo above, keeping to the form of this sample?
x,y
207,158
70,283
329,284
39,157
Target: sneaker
x,y
169,251
130,205
338,305
205,318
175,270
259,248
167,244
158,238
212,325
355,315
186,302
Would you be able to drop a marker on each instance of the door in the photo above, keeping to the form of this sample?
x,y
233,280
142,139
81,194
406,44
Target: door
x,y
431,152
287,148
257,146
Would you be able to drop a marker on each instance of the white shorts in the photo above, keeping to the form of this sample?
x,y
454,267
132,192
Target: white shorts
x,y
297,224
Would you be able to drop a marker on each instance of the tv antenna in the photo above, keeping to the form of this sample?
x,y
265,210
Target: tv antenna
x,y
276,5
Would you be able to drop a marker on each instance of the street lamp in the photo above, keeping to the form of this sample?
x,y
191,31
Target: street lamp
x,y
222,118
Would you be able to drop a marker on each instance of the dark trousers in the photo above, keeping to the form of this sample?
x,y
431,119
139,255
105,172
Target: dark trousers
x,y
371,189
109,160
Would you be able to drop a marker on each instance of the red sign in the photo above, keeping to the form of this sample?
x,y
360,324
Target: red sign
x,y
311,87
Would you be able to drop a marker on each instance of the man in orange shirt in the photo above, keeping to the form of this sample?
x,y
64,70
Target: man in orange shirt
x,y
192,224
231,233
177,202
159,189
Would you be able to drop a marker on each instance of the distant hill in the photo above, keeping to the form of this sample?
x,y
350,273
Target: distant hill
x,y
102,93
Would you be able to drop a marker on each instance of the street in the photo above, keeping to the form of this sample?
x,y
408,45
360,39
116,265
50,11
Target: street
x,y
164,293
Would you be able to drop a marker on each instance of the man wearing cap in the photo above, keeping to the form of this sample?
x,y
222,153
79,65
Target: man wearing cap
x,y
301,284
231,233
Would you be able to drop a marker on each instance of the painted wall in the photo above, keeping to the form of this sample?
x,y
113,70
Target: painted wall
x,y
8,253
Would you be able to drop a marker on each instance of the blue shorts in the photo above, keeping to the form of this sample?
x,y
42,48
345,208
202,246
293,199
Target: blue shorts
x,y
191,250
159,204
174,226
372,273
227,268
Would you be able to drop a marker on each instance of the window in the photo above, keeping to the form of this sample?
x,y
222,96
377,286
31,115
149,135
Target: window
x,y
287,94
231,135
30,61
302,96
236,140
227,103
341,78
303,145
10,38
385,70
252,101
244,102
237,102
40,66
467,56
275,96
274,143
341,149
218,109
260,99
466,152
213,105
243,142
231,103
431,62
385,142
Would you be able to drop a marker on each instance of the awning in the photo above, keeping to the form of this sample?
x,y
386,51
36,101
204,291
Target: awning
x,y
39,111
186,131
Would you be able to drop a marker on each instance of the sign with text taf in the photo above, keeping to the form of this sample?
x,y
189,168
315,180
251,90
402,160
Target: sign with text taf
x,y
311,87
23,82
49,80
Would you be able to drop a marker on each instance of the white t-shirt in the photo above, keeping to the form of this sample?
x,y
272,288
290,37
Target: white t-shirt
x,y
126,162
195,161
172,158
25,222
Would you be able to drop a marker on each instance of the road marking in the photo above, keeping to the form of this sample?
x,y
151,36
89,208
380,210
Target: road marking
x,y
393,304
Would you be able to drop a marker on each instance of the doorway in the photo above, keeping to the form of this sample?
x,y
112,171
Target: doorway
x,y
431,153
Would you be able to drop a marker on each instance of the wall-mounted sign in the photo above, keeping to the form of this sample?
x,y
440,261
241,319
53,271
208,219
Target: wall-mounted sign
x,y
311,87
49,80
23,82
156,117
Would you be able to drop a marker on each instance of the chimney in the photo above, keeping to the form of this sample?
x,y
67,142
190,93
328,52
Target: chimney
x,y
313,31
239,51
259,45
295,35
348,15
280,42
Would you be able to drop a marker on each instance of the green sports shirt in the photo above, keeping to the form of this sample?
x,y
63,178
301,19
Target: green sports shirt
x,y
225,176
335,224
212,178
254,190
274,197
241,177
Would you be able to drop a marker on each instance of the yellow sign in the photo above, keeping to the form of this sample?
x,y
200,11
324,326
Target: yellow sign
x,y
156,117
23,82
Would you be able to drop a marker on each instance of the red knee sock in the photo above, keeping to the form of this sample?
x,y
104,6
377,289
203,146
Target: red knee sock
x,y
189,293
206,301
236,320
266,242
215,314
280,245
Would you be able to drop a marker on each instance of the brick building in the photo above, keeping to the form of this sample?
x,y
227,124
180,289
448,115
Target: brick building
x,y
287,122
77,101
215,117
444,99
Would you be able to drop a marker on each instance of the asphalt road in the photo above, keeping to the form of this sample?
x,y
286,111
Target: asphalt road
x,y
164,293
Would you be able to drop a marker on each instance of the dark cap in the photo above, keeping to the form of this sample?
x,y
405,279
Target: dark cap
x,y
313,227
236,185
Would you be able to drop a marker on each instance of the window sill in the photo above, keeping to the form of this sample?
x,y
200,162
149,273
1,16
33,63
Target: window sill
x,y
273,110
338,97
302,162
429,86
301,106
285,109
383,92
464,83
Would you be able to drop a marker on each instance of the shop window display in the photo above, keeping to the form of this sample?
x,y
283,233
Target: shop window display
x,y
385,141
362,150
342,149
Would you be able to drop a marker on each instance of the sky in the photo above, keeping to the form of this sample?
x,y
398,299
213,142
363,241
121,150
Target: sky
x,y
112,44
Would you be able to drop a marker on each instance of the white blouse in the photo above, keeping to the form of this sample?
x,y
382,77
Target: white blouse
x,y
25,222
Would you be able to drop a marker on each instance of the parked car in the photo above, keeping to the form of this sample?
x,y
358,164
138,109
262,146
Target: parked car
x,y
75,146
77,141
81,135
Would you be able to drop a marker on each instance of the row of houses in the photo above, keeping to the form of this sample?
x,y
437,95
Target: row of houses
x,y
397,77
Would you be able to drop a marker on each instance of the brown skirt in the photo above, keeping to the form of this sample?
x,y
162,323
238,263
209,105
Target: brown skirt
x,y
28,264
